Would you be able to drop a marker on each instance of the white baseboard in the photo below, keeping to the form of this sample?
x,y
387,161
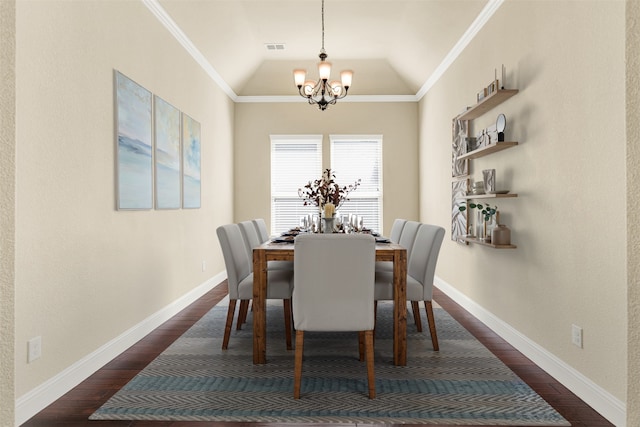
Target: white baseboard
x,y
46,393
595,396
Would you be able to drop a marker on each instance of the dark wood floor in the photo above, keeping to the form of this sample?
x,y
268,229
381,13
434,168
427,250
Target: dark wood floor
x,y
74,408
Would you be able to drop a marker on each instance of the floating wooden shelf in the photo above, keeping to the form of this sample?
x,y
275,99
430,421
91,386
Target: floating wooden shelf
x,y
489,149
489,196
491,245
487,104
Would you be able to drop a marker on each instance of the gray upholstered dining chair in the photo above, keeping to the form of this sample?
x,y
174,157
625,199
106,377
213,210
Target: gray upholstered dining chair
x,y
240,281
421,266
394,237
261,228
396,230
407,236
255,232
329,294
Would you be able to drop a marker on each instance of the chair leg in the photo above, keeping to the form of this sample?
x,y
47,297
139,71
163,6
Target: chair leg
x,y
242,313
227,326
432,324
361,346
375,315
287,321
415,308
298,364
371,377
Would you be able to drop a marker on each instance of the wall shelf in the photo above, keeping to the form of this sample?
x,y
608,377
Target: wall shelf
x,y
487,103
461,165
489,149
489,196
475,241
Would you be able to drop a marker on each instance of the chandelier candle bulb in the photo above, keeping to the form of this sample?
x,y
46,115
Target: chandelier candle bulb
x,y
299,76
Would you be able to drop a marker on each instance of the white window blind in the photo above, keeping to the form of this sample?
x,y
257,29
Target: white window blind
x,y
295,160
360,157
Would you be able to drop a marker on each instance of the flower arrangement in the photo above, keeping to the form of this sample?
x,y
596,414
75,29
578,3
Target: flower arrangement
x,y
326,191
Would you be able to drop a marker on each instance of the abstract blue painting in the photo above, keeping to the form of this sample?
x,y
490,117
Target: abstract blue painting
x,y
134,145
167,154
190,163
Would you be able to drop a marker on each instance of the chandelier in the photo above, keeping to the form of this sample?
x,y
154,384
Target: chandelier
x,y
323,92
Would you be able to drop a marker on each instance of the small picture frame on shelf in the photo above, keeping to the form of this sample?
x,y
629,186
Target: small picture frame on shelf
x,y
481,95
493,87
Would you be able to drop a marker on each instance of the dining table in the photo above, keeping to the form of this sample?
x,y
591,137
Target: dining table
x,y
284,251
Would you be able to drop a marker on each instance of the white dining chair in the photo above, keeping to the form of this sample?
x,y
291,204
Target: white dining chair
x,y
240,281
421,266
329,294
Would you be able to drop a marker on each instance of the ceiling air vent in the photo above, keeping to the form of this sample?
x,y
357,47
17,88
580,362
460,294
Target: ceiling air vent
x,y
274,46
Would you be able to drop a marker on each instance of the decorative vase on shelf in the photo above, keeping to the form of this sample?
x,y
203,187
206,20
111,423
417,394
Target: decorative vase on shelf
x,y
501,235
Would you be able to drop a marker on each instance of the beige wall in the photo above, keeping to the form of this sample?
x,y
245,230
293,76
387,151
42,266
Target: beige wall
x,y
633,209
86,273
396,122
570,267
107,271
7,208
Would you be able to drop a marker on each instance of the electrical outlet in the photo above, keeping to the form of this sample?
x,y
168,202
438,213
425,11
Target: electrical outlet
x,y
576,335
204,265
34,349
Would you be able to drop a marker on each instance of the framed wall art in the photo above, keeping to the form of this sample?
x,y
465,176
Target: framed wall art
x,y
190,163
459,147
459,219
167,155
134,154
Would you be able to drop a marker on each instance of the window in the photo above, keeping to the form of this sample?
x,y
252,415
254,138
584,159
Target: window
x,y
295,160
360,157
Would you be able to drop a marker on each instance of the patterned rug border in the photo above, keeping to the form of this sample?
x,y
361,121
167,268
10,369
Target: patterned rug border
x,y
194,380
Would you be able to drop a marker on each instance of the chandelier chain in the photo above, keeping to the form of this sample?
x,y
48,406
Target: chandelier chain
x,y
323,25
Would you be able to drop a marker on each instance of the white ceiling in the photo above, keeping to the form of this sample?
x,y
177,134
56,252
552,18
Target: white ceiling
x,y
394,47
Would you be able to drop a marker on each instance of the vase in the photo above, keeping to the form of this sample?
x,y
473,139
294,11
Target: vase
x,y
327,225
501,235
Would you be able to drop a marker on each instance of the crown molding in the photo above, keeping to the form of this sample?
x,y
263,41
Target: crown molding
x,y
350,98
188,45
487,12
475,27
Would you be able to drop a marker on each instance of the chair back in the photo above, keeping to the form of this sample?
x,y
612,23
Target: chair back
x,y
334,282
234,251
421,265
408,236
396,230
261,228
250,236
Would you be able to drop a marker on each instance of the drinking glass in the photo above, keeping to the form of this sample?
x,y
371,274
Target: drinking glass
x,y
345,223
315,224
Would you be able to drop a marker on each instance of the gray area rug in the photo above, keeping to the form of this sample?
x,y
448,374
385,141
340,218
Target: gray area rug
x,y
463,383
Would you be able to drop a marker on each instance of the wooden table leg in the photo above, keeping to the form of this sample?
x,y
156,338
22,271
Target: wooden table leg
x,y
400,308
259,307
